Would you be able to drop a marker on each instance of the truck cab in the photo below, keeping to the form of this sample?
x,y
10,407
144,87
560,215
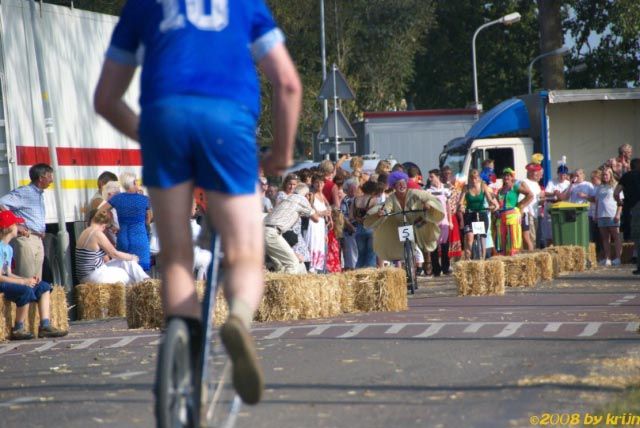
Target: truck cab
x,y
500,134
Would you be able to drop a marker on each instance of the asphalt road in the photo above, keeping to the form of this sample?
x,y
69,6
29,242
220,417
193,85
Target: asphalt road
x,y
564,347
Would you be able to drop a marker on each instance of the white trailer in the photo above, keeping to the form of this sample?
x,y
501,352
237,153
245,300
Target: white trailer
x,y
73,45
416,136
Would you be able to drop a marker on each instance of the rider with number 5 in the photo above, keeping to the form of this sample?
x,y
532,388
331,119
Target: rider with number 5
x,y
386,242
199,103
475,199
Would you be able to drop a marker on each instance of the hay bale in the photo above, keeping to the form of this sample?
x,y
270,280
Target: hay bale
x,y
578,258
627,252
544,265
293,297
380,289
494,277
480,277
347,292
97,301
144,305
520,270
592,256
59,308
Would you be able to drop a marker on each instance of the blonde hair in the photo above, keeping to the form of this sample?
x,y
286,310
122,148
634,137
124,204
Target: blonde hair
x,y
128,180
326,167
111,187
383,166
99,217
612,181
356,163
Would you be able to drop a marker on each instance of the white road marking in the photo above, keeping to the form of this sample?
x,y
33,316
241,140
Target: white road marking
x,y
473,327
85,344
591,329
432,330
278,332
356,330
395,328
632,326
19,400
45,347
509,329
317,331
7,348
156,342
629,297
123,342
128,375
552,327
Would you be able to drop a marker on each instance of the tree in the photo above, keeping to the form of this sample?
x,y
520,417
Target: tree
x,y
612,56
443,76
551,37
373,42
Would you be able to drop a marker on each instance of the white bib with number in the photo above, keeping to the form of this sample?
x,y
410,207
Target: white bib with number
x,y
406,232
478,228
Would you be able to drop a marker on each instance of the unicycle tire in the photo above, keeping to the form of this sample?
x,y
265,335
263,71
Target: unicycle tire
x,y
410,267
174,383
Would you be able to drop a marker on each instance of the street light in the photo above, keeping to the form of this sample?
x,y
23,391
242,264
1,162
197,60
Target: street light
x,y
509,19
560,51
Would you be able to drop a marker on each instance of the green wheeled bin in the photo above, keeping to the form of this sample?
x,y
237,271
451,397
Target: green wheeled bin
x,y
570,224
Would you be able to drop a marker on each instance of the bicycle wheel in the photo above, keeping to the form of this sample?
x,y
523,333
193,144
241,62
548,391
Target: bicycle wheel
x,y
174,401
410,266
475,248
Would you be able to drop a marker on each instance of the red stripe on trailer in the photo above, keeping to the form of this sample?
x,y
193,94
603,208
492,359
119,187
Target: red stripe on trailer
x,y
413,113
71,156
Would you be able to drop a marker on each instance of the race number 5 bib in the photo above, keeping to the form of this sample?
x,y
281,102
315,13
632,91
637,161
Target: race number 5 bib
x,y
406,233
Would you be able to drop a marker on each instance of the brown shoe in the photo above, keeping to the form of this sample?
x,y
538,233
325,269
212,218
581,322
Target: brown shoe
x,y
21,334
50,331
248,379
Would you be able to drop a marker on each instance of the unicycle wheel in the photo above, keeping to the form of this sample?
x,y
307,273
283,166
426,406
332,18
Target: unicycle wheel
x,y
174,394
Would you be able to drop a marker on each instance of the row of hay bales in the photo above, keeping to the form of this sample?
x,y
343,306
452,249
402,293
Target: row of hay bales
x,y
490,277
58,313
286,297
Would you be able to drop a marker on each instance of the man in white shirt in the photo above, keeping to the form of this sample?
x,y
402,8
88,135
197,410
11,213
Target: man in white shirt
x,y
531,213
551,196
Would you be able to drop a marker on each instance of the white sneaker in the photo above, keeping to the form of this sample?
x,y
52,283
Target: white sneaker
x,y
616,262
607,262
603,262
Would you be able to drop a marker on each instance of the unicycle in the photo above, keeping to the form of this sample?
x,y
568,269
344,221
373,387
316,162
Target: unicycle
x,y
193,394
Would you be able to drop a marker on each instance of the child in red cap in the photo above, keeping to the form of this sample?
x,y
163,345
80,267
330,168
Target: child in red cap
x,y
22,291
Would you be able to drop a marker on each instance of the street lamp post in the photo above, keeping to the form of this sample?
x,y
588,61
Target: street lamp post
x,y
560,51
509,19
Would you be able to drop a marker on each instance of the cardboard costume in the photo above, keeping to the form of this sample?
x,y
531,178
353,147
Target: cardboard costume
x,y
386,242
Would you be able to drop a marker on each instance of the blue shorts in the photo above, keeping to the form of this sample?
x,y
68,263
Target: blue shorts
x,y
607,222
22,294
208,140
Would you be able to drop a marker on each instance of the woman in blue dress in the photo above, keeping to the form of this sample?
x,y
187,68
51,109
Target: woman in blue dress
x,y
134,215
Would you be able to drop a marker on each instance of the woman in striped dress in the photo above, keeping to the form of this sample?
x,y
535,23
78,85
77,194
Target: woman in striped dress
x,y
97,260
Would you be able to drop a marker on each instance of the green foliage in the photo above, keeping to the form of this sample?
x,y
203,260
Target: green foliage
x,y
373,42
112,7
444,73
613,58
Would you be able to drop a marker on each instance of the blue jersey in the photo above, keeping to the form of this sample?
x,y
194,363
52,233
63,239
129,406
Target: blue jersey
x,y
196,47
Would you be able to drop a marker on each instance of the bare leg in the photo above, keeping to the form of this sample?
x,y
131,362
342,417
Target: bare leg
x,y
171,212
615,233
21,313
44,306
606,245
238,221
468,242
